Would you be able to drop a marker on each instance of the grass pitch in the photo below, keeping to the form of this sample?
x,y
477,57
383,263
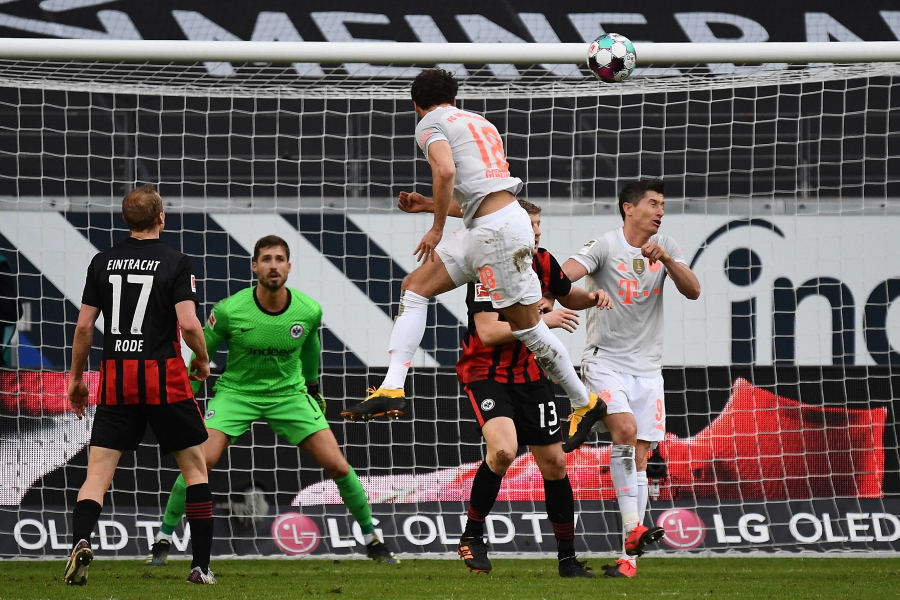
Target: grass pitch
x,y
745,578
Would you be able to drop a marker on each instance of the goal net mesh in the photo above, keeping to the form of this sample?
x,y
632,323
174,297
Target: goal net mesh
x,y
782,188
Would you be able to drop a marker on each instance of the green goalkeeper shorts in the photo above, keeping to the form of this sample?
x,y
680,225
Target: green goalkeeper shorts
x,y
294,418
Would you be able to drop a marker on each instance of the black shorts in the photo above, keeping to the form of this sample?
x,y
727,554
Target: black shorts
x,y
531,406
176,426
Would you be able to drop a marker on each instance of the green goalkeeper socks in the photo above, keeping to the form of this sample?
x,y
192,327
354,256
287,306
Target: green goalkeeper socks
x,y
175,507
351,490
354,497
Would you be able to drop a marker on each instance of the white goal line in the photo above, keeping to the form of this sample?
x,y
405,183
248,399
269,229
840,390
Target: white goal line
x,y
420,53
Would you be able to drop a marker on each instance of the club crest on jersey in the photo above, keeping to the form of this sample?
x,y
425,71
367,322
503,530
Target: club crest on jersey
x,y
297,331
481,292
487,404
209,414
212,319
638,264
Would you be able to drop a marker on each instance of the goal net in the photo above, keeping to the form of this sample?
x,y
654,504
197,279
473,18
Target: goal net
x,y
783,190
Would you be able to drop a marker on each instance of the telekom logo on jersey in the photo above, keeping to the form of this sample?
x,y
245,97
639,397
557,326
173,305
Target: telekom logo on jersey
x,y
629,289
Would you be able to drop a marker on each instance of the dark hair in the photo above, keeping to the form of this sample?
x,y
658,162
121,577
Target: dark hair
x,y
433,87
531,209
268,242
635,191
141,207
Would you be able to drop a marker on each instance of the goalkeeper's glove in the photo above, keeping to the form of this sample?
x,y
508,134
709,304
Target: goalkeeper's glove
x,y
313,390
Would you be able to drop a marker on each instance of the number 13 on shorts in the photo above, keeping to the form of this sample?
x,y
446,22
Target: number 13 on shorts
x,y
550,408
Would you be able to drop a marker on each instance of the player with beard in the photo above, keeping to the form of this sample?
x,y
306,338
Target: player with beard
x,y
622,359
272,375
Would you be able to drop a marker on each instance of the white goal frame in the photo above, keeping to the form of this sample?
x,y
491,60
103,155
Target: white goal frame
x,y
426,53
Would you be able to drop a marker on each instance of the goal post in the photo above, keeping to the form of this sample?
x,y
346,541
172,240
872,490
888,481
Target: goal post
x,y
782,187
405,53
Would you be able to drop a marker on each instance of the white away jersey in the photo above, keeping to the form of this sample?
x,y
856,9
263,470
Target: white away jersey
x,y
628,338
481,166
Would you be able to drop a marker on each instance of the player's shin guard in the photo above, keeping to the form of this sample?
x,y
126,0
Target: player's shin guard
x,y
84,517
560,504
643,495
198,508
624,475
409,327
174,507
552,357
485,488
354,497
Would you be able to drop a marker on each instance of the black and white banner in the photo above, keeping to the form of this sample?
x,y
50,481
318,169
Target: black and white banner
x,y
776,290
461,21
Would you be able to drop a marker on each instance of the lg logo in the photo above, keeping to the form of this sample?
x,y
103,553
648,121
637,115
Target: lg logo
x,y
684,529
295,534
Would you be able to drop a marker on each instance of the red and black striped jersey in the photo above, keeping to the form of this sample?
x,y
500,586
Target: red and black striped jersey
x,y
136,285
512,362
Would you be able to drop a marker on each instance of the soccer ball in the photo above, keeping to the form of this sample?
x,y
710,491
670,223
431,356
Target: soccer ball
x,y
611,57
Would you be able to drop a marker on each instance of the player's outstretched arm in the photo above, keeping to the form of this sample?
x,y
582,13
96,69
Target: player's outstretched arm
x,y
192,332
574,270
79,395
494,332
579,299
414,202
443,175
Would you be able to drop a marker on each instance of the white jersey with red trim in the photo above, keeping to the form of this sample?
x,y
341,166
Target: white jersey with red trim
x,y
481,166
628,338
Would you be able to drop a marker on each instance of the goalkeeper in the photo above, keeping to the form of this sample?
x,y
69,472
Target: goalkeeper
x,y
272,375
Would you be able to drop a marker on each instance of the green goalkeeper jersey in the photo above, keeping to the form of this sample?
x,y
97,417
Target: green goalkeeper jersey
x,y
274,354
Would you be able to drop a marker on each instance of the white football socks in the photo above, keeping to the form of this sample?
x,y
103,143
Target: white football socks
x,y
409,327
624,475
643,495
552,357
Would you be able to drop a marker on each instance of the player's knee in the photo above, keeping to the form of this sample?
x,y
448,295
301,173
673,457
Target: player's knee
x,y
409,283
500,460
624,433
555,468
337,470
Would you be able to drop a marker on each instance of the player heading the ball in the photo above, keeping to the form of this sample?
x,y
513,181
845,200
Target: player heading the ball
x,y
469,168
145,291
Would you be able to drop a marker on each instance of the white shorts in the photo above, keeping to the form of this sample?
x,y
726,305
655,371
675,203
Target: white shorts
x,y
641,396
496,250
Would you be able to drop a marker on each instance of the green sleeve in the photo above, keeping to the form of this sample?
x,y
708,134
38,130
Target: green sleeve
x,y
311,352
215,332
